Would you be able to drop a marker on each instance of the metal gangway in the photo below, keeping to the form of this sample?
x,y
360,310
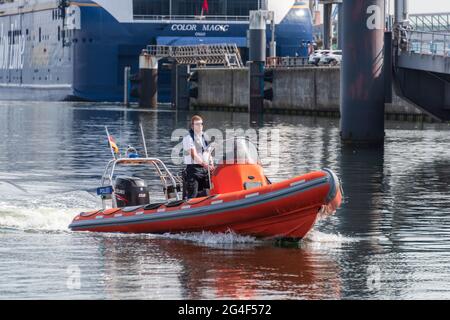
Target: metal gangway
x,y
226,55
434,22
422,69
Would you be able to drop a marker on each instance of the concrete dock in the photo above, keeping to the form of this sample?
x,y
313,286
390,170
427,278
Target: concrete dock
x,y
305,91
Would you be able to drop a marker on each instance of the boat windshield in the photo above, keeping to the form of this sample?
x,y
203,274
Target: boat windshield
x,y
238,150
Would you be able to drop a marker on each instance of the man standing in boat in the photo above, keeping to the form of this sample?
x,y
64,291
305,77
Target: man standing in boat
x,y
196,159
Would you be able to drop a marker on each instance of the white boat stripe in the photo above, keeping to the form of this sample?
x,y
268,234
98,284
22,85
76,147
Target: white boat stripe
x,y
185,207
139,213
217,202
252,195
161,210
99,217
118,215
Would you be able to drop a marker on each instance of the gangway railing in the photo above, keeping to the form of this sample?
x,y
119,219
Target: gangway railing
x,y
226,55
431,43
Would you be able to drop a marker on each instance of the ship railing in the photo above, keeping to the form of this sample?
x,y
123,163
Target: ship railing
x,y
191,18
432,43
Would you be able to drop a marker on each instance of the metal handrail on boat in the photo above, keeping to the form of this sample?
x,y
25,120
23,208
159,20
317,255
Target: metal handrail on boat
x,y
161,169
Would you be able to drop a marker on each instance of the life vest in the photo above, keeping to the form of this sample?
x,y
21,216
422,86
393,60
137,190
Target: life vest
x,y
192,134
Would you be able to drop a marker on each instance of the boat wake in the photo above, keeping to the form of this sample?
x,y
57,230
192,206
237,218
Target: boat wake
x,y
213,239
44,213
323,240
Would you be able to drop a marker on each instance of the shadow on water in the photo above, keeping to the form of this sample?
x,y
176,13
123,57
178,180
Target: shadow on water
x,y
362,174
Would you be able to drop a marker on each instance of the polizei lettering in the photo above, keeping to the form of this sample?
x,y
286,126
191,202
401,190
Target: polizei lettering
x,y
12,48
204,27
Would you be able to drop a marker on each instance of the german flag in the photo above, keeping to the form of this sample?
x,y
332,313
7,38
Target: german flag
x,y
113,145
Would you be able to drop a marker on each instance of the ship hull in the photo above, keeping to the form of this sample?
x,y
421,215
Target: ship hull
x,y
43,57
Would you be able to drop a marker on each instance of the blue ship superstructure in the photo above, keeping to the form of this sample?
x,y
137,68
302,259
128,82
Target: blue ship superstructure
x,y
77,50
295,31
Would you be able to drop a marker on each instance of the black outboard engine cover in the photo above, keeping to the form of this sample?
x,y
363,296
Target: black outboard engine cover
x,y
131,192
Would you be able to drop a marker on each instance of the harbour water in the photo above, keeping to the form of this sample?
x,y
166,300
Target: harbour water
x,y
391,239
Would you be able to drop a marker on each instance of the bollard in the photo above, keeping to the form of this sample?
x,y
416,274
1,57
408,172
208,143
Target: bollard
x,y
362,75
148,75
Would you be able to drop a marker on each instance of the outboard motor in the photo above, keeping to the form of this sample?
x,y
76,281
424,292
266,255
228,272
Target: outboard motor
x,y
131,192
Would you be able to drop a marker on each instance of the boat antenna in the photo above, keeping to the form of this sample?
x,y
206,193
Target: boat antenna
x,y
143,139
109,143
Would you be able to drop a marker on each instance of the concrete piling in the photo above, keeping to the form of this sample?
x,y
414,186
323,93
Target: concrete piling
x,y
148,76
327,25
181,94
257,57
126,86
362,75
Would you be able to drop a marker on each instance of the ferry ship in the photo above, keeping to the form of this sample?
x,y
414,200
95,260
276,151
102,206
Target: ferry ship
x,y
59,50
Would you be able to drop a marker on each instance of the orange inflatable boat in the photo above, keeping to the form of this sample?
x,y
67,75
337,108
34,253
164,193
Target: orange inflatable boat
x,y
241,199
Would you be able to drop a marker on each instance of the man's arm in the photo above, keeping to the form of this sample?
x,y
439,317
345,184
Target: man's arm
x,y
197,158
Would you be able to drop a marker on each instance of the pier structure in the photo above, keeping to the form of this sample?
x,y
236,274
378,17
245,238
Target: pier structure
x,y
421,60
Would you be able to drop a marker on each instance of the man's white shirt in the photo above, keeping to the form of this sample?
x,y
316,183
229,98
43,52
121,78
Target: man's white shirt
x,y
189,144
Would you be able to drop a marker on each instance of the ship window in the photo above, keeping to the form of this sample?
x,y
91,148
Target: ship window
x,y
241,7
194,7
40,34
216,7
59,33
151,7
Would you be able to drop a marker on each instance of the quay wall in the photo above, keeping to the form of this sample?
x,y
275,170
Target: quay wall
x,y
306,90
